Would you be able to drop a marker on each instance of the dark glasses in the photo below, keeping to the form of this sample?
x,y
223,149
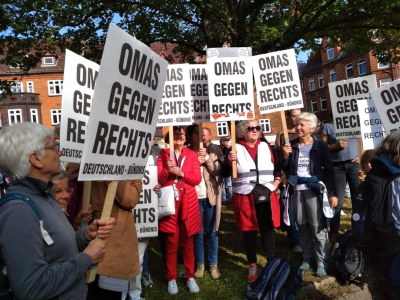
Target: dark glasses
x,y
251,128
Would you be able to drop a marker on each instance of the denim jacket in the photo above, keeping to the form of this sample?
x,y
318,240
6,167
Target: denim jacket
x,y
320,163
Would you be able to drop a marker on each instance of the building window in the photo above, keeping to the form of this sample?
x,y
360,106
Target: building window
x,y
385,81
362,67
314,107
14,116
321,81
34,115
50,60
29,87
265,125
312,83
349,71
17,87
222,129
332,75
382,65
330,52
324,106
55,116
55,87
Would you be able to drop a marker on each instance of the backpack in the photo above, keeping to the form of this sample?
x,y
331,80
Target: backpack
x,y
5,289
279,280
348,260
372,221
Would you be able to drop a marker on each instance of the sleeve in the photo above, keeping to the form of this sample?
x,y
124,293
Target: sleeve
x,y
277,165
82,238
192,170
128,193
30,276
213,165
326,162
162,170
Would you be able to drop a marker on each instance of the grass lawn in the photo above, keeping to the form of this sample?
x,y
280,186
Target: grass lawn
x,y
233,266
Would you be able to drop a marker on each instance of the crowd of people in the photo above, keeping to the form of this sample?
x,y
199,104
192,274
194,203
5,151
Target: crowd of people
x,y
297,185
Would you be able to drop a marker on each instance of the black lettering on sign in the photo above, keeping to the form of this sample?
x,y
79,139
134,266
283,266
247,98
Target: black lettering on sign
x,y
351,89
174,91
86,77
230,89
82,106
394,115
198,74
393,94
175,107
199,89
346,106
146,177
229,68
76,131
274,61
347,122
174,74
201,105
281,93
283,76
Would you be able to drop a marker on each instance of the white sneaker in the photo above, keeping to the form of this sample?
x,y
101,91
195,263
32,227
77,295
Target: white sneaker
x,y
192,286
172,287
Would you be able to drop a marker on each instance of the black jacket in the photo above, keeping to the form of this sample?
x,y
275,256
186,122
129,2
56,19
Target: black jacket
x,y
320,163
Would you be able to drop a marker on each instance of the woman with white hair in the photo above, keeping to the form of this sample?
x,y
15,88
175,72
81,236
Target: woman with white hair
x,y
42,260
304,158
255,202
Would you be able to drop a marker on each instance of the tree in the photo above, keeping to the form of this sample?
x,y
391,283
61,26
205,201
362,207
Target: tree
x,y
38,26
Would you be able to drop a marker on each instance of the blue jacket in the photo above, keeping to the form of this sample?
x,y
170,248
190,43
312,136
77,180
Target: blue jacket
x,y
320,163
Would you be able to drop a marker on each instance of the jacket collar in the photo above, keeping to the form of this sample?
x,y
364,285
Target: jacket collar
x,y
33,185
384,163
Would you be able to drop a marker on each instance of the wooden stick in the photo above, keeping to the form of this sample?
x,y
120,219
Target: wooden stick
x,y
87,187
284,126
360,148
105,215
201,135
171,143
233,141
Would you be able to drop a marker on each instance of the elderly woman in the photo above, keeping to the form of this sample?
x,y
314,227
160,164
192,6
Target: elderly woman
x,y
42,259
376,213
183,173
255,202
307,157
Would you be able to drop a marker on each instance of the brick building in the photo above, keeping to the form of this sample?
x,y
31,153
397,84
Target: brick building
x,y
19,108
333,65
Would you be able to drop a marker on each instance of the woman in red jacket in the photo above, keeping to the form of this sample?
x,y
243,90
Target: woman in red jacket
x,y
184,172
255,202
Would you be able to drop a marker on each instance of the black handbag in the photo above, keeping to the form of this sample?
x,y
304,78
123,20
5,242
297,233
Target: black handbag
x,y
261,194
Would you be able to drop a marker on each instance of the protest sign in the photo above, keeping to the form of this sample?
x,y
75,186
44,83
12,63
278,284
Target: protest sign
x,y
176,106
80,77
146,211
230,85
229,52
344,95
386,100
199,93
277,81
124,116
371,126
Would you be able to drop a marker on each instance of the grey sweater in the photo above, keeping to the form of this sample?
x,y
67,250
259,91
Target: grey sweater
x,y
36,270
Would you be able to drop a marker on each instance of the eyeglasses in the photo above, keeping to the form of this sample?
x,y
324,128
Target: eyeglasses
x,y
59,191
251,128
55,147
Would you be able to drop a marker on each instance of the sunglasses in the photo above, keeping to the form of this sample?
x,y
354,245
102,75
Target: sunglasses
x,y
251,128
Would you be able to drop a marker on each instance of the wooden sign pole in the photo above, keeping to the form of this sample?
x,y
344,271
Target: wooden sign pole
x,y
105,215
360,148
284,126
233,141
171,143
201,135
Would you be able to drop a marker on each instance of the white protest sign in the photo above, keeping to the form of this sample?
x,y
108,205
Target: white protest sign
x,y
229,52
199,93
387,103
124,116
344,95
371,126
230,88
176,106
146,211
277,81
80,77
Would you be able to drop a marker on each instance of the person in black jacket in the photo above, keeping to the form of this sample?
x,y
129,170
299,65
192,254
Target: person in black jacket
x,y
307,159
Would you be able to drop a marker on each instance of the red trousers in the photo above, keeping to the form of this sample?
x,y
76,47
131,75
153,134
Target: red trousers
x,y
171,251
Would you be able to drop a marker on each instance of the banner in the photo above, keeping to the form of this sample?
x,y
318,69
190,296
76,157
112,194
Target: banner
x,y
277,81
229,52
344,95
230,84
371,126
80,77
124,116
176,106
386,100
146,211
199,93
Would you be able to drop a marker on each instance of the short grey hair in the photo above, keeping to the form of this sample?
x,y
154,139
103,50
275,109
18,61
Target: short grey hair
x,y
62,175
390,146
16,143
241,128
310,118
